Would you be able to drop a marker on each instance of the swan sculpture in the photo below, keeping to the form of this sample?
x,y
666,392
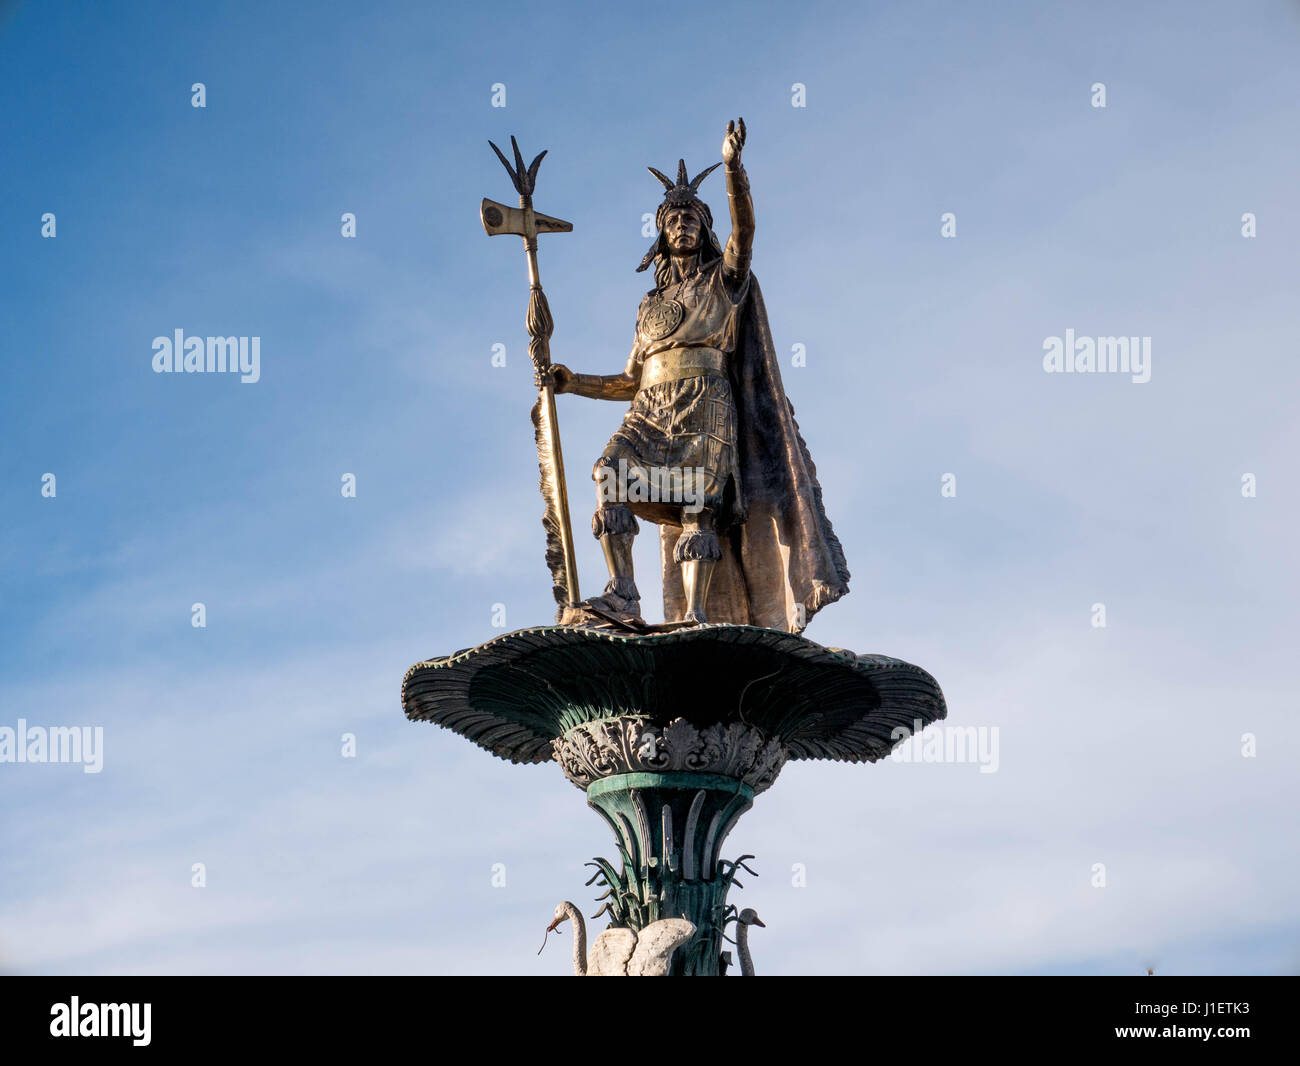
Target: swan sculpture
x,y
744,920
623,952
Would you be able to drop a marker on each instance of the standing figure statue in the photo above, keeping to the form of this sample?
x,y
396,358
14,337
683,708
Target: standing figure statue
x,y
709,449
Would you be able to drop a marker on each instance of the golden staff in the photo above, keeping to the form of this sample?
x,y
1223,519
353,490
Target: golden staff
x,y
523,221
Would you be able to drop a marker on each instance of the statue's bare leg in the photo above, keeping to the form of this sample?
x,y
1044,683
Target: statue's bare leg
x,y
698,551
615,527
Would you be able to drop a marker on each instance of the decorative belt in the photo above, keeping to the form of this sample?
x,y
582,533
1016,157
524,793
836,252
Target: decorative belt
x,y
678,363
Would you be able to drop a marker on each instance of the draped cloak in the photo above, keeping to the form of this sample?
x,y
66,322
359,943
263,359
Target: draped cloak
x,y
781,561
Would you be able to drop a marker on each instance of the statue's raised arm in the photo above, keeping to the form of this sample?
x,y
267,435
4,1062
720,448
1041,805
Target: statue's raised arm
x,y
735,258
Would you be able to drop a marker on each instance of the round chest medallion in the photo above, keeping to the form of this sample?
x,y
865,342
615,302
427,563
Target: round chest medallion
x,y
661,318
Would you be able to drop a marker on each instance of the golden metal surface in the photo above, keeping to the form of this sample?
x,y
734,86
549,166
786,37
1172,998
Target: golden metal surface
x,y
523,221
749,545
678,363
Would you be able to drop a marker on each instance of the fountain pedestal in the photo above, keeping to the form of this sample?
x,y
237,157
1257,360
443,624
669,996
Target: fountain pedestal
x,y
671,736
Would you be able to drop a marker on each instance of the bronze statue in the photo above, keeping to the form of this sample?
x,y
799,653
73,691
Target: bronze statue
x,y
709,449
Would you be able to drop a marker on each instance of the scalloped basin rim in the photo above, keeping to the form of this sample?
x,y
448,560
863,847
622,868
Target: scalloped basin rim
x,y
516,693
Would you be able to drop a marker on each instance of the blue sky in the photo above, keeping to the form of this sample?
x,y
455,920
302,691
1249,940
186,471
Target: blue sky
x,y
1119,745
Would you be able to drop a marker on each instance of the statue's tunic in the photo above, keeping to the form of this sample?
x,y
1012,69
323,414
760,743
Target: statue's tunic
x,y
683,417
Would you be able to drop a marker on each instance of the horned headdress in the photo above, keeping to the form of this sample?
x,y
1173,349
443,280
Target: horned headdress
x,y
681,193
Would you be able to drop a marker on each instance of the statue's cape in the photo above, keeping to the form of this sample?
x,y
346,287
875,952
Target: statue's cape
x,y
781,561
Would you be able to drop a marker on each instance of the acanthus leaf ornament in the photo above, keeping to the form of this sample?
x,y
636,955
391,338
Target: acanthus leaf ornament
x,y
596,750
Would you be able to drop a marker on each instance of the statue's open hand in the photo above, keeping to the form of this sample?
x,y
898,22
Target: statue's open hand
x,y
733,142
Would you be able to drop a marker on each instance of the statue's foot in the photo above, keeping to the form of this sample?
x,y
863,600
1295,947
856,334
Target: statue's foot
x,y
627,607
694,618
610,607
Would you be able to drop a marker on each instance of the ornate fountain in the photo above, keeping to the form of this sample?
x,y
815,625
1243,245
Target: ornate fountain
x,y
671,736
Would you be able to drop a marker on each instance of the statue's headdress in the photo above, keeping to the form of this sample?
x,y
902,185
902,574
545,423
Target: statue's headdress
x,y
681,193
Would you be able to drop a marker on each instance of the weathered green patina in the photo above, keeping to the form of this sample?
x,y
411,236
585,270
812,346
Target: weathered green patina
x,y
516,694
669,829
671,735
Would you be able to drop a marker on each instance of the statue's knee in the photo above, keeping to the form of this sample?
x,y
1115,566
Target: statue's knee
x,y
611,490
701,518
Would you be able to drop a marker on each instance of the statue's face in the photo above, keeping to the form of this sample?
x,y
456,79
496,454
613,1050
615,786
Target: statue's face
x,y
683,230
